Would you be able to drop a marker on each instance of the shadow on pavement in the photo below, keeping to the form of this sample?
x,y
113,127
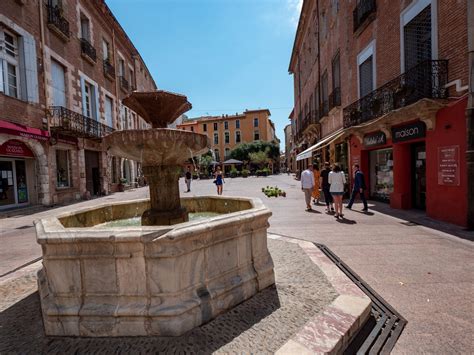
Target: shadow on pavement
x,y
418,217
21,331
344,220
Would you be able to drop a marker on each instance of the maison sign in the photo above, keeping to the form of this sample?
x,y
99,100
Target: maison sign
x,y
408,132
375,139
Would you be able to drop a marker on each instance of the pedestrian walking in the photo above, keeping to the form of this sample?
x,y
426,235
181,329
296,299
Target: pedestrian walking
x,y
188,178
337,179
219,180
307,185
359,188
324,183
316,190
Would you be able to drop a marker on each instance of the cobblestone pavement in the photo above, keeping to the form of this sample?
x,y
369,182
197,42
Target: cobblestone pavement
x,y
425,274
260,325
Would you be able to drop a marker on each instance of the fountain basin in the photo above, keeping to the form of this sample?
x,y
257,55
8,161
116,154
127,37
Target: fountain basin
x,y
150,280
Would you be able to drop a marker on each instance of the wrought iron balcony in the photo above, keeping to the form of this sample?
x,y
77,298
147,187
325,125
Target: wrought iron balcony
x,y
71,123
57,22
425,80
311,118
109,69
335,98
88,50
124,83
362,12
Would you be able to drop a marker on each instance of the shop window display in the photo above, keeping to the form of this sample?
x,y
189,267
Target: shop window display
x,y
381,174
62,168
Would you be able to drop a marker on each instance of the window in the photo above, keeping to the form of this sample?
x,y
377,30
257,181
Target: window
x,y
85,28
9,64
417,39
204,127
62,168
121,67
58,83
255,122
324,94
89,100
192,129
227,153
215,126
366,70
109,109
237,124
237,137
216,138
132,78
106,51
226,138
125,118
336,72
216,155
256,135
226,125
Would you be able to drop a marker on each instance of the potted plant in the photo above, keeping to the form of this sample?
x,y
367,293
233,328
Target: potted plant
x,y
121,185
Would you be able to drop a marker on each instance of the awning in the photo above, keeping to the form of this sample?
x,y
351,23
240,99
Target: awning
x,y
16,129
232,161
308,153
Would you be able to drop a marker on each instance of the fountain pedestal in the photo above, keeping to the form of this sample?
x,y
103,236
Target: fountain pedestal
x,y
164,195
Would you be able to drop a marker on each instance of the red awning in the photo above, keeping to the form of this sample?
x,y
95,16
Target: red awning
x,y
23,131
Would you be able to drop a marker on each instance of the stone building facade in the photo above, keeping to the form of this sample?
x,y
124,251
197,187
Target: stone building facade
x,y
65,66
383,84
227,131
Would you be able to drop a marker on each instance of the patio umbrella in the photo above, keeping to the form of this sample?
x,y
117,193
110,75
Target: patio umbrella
x,y
233,161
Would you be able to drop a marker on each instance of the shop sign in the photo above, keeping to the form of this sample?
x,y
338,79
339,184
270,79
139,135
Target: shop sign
x,y
375,139
448,165
408,132
16,148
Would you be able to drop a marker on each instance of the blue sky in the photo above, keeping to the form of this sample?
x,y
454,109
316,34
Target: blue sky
x,y
225,55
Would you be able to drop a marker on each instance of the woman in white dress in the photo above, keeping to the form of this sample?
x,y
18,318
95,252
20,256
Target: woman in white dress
x,y
337,179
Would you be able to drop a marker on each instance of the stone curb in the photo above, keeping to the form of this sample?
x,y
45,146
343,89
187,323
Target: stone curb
x,y
331,331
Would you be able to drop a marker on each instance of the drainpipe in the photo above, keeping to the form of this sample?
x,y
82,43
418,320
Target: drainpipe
x,y
470,118
43,56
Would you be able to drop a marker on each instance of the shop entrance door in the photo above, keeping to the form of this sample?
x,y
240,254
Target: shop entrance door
x,y
419,176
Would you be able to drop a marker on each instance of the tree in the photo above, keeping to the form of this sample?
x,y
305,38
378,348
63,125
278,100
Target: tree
x,y
242,151
205,160
259,158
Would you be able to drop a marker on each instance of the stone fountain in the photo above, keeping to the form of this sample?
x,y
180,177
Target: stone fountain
x,y
167,274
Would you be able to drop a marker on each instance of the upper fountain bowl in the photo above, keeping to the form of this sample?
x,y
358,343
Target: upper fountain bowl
x,y
158,146
159,107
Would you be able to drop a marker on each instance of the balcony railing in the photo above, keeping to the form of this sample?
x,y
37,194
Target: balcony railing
x,y
71,123
362,12
425,80
124,83
109,69
88,50
335,98
310,119
57,21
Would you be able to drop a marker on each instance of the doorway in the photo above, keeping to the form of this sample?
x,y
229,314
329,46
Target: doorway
x,y
92,172
419,176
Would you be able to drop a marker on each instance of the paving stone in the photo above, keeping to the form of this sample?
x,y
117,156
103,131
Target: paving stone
x,y
260,325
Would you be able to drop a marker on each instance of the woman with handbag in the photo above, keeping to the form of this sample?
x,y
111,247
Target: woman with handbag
x,y
219,180
337,179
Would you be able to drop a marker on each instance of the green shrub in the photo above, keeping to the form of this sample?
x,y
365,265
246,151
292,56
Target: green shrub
x,y
245,173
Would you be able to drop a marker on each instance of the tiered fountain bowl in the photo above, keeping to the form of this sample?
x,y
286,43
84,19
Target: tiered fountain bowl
x,y
158,273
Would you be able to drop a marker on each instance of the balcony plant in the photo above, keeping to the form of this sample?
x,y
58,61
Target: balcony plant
x,y
122,183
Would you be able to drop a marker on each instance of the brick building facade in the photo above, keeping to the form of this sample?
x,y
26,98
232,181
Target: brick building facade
x,y
383,84
65,66
227,131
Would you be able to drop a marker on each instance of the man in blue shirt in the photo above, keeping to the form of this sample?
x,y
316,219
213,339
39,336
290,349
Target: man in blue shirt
x,y
359,188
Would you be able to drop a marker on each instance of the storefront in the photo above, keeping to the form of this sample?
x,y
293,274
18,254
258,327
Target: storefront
x,y
16,174
417,163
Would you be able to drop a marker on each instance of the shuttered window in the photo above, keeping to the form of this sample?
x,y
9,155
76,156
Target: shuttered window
x,y
109,107
366,77
58,83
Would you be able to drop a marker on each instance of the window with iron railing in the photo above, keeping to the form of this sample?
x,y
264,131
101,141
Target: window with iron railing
x,y
56,19
88,50
425,80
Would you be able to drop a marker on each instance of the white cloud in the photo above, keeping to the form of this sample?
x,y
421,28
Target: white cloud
x,y
294,8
